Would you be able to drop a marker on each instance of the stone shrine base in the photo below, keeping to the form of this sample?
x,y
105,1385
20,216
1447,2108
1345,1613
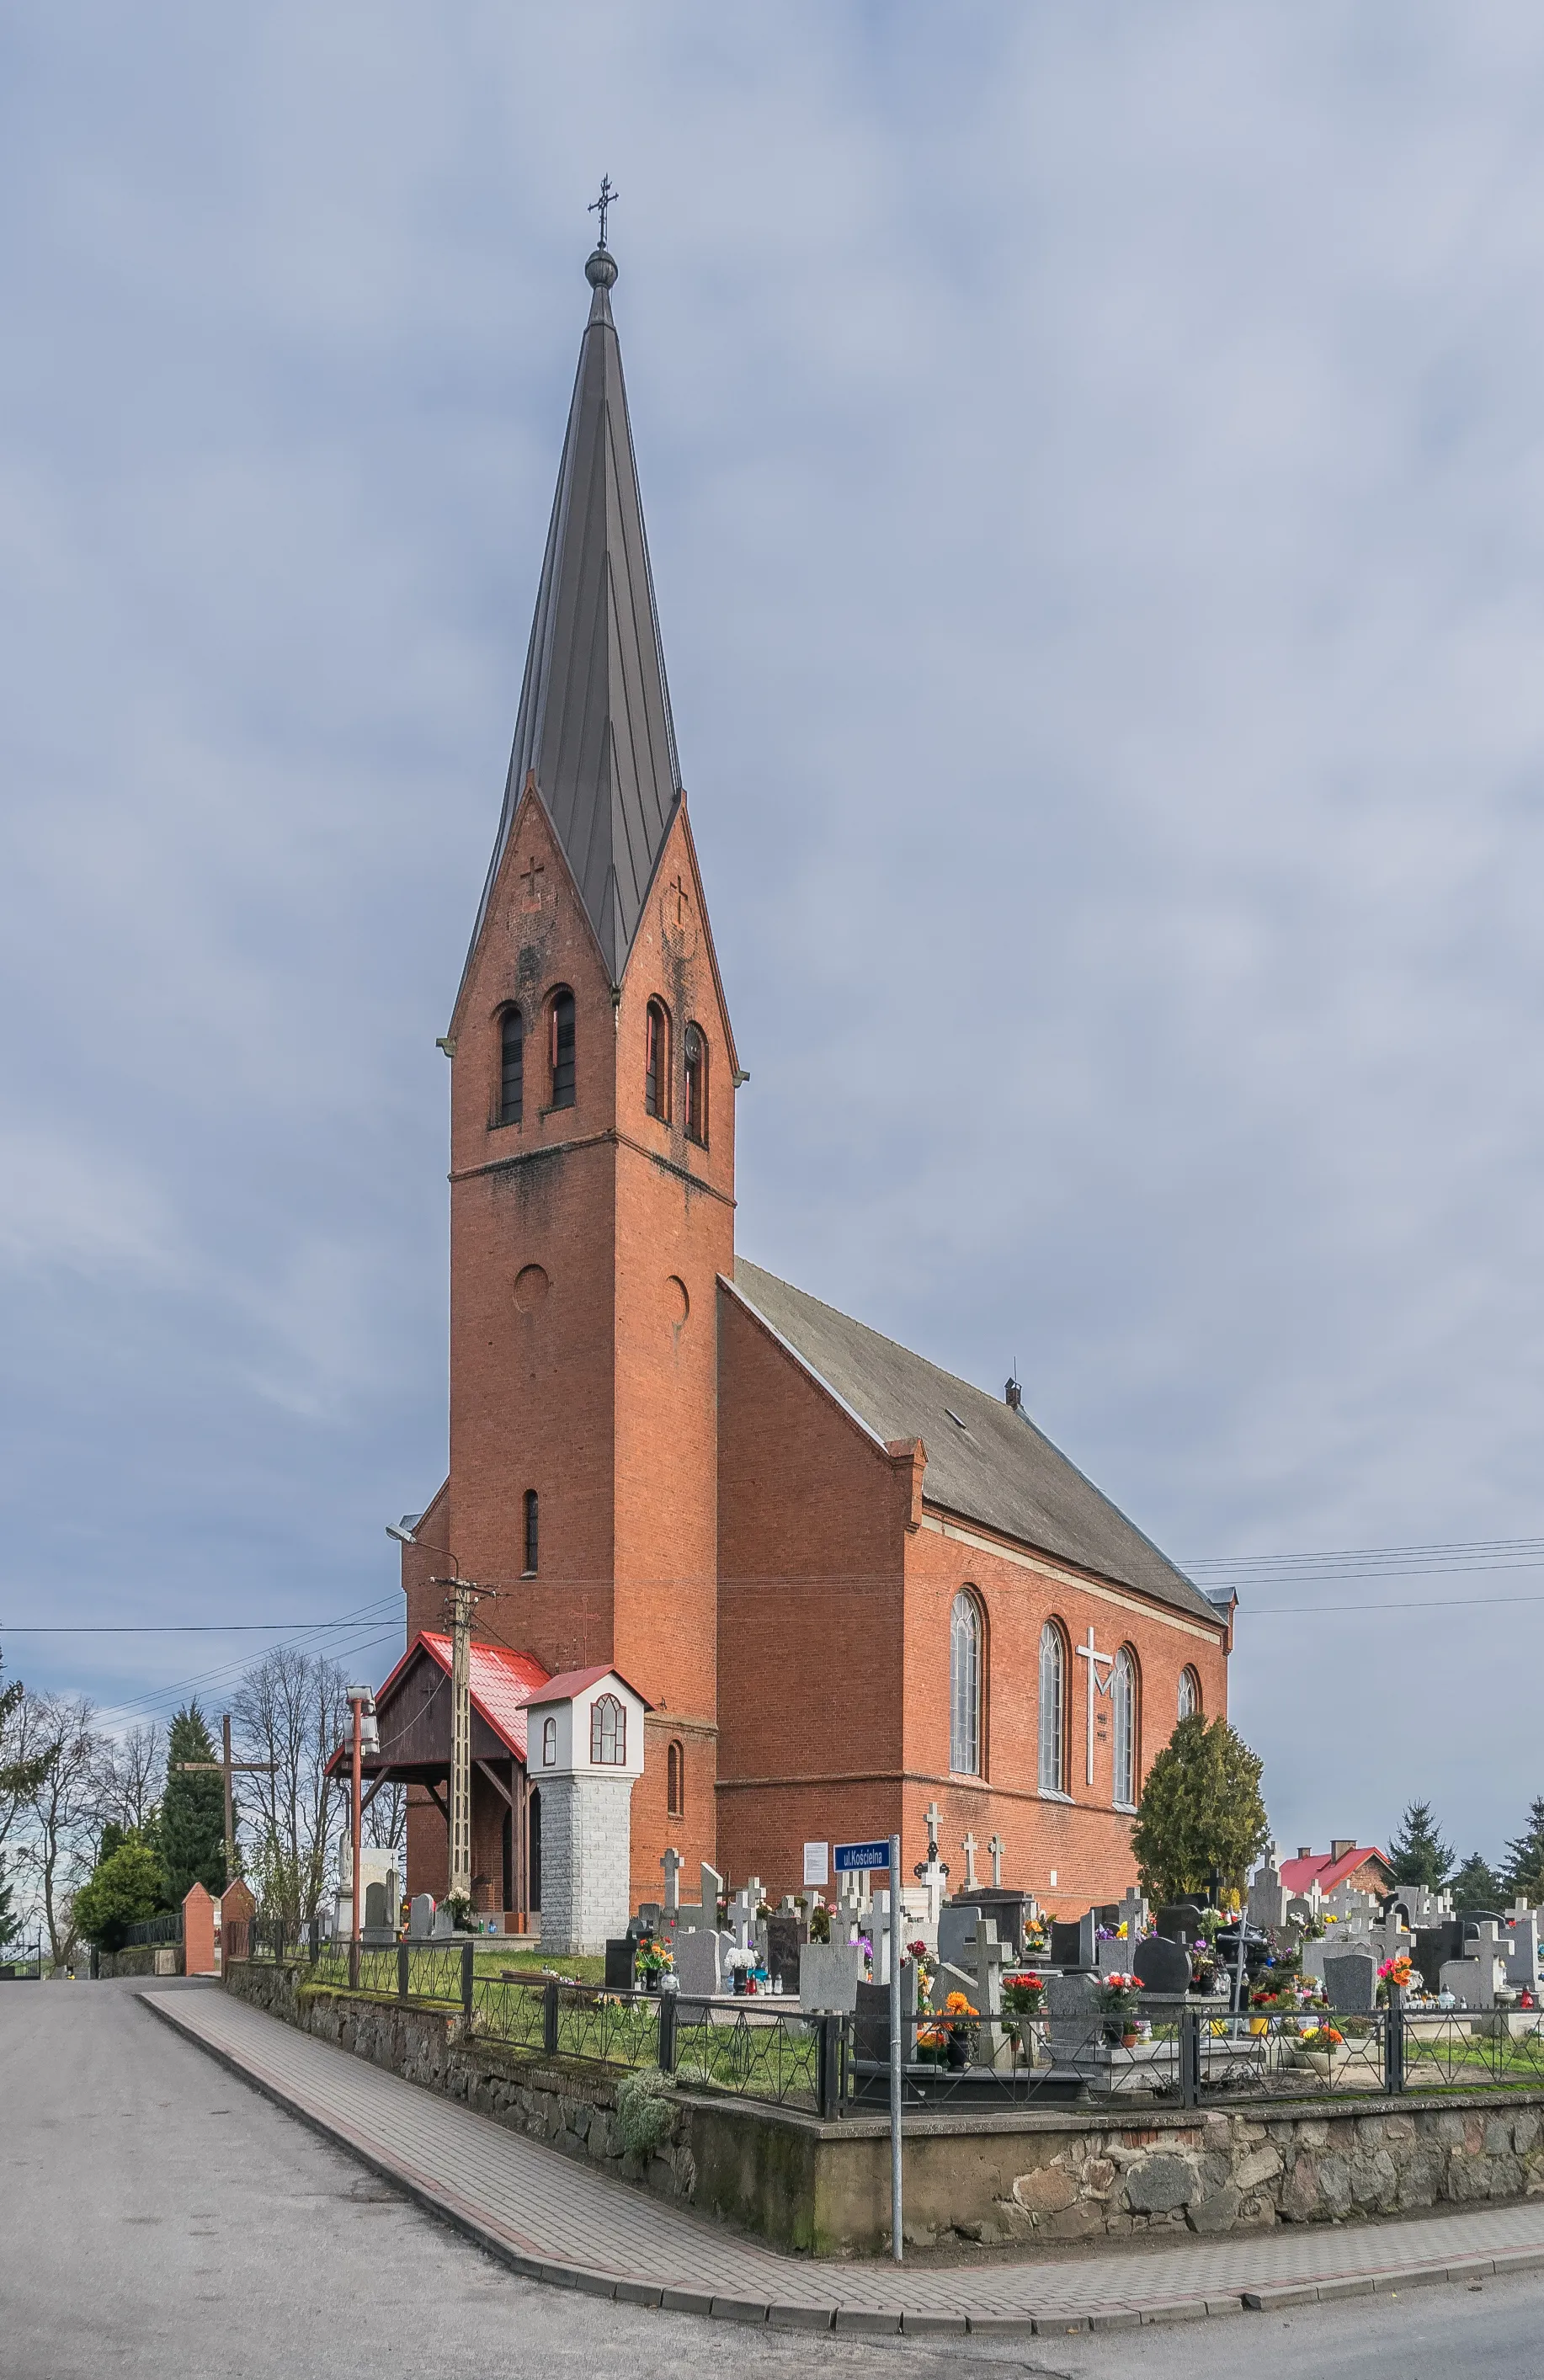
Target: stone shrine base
x,y
1051,2176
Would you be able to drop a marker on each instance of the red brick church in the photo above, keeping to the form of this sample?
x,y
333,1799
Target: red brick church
x,y
847,1584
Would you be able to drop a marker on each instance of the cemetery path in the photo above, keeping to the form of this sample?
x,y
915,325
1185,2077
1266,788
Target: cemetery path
x,y
561,2221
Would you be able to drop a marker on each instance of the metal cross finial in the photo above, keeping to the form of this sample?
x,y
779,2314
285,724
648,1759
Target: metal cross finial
x,y
608,198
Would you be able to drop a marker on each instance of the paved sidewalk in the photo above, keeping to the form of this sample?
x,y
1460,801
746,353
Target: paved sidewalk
x,y
558,2220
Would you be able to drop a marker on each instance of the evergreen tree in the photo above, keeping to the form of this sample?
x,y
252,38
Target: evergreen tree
x,y
10,1924
192,1813
1525,1860
1202,1814
1477,1884
1418,1853
124,1887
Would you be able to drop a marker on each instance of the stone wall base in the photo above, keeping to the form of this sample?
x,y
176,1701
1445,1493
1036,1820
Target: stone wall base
x,y
1026,2179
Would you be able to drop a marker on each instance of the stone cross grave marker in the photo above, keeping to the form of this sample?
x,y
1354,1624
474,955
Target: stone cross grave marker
x,y
671,1863
996,1846
968,1848
742,1913
1133,1915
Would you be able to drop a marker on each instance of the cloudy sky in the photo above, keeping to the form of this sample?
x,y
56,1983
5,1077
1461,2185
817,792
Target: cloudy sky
x,y
1094,462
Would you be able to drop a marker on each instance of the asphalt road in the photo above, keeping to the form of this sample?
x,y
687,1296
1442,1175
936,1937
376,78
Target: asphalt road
x,y
161,2219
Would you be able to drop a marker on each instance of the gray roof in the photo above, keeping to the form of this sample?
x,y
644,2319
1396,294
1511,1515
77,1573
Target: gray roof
x,y
594,726
997,1468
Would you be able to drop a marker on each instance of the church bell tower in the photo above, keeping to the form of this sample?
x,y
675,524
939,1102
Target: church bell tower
x,y
592,1158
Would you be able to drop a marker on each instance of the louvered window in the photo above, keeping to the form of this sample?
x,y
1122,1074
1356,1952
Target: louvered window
x,y
512,1066
563,1050
696,1051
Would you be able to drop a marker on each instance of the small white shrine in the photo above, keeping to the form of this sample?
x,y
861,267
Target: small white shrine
x,y
584,1750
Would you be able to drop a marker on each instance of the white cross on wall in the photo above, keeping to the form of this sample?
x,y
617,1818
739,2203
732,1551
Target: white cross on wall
x,y
1097,1685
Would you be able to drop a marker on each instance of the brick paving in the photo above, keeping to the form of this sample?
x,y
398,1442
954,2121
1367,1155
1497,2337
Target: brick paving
x,y
561,2221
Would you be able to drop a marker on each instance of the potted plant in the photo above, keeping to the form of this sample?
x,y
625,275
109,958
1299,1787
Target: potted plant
x,y
1117,2001
652,1962
933,2042
1024,2000
961,2027
1320,2047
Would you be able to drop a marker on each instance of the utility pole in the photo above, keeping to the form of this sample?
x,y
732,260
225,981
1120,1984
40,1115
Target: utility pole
x,y
230,1769
464,1596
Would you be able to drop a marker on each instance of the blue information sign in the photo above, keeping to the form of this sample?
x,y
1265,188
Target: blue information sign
x,y
857,1857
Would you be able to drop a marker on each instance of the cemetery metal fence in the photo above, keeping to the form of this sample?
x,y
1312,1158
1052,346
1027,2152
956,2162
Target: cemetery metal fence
x,y
164,1928
1184,2053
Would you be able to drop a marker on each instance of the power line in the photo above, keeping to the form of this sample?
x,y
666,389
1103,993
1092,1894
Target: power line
x,y
180,1628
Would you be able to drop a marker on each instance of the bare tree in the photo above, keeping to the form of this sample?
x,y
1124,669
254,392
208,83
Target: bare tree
x,y
386,1818
61,1810
128,1776
290,1708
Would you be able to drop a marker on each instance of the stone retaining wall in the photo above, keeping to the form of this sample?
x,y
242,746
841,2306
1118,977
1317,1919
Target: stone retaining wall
x,y
997,2179
140,1960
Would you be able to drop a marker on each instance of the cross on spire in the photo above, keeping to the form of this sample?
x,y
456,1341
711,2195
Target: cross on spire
x,y
607,199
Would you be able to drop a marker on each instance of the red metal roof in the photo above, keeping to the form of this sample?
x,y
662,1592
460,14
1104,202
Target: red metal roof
x,y
569,1682
1298,1873
501,1682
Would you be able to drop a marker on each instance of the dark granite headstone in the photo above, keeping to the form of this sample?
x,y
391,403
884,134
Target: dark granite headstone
x,y
1160,1965
1012,1911
1351,1983
1073,1945
619,1964
1179,1921
783,1949
1107,1915
376,1906
1433,1947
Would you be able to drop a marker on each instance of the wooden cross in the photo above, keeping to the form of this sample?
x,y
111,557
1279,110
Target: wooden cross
x,y
230,1768
996,1848
531,879
968,1848
1097,1685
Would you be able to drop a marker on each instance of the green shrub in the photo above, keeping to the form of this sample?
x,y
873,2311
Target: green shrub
x,y
643,2111
125,1887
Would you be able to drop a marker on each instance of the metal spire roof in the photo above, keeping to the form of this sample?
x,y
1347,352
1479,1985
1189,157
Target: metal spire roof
x,y
594,726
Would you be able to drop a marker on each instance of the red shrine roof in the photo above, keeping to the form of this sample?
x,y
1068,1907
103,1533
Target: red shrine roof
x,y
1328,1871
569,1682
503,1683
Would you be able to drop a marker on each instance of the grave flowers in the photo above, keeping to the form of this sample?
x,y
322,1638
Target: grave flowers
x,y
1117,2001
1395,1972
960,2030
652,1962
1024,2000
740,1967
1320,2047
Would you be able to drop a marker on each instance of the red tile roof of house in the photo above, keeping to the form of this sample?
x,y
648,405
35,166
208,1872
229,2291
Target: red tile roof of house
x,y
1298,1873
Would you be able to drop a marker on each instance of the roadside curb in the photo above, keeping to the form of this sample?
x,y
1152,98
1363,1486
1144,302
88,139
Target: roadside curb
x,y
846,2318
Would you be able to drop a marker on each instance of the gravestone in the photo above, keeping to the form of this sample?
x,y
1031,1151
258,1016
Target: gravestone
x,y
1521,1943
784,1949
1073,1945
1351,1982
377,1906
619,1963
1160,1965
1180,1921
1134,1915
1113,1955
1266,1903
1012,1912
871,2031
699,1963
1434,1946
1073,2023
420,1917
830,1974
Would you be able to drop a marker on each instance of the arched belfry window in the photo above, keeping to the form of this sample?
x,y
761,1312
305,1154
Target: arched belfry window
x,y
695,1048
965,1685
676,1781
533,1533
656,1061
512,1066
608,1733
561,1052
1053,1708
1125,1693
1189,1692
549,1743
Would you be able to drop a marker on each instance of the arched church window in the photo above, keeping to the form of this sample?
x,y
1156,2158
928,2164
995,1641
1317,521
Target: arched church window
x,y
696,1051
1053,1708
533,1532
561,1056
1124,1693
512,1066
1189,1692
656,1061
549,1743
676,1781
965,1685
608,1733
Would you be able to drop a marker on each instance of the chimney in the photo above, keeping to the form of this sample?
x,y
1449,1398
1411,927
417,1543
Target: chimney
x,y
1341,1844
1305,1851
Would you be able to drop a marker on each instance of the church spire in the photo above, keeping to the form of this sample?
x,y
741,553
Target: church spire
x,y
594,727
